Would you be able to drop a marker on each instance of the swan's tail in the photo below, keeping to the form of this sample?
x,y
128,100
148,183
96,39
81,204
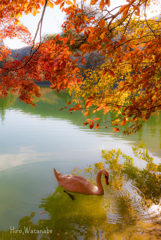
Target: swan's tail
x,y
57,174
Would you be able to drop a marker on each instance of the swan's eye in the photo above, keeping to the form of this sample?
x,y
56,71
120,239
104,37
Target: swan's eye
x,y
106,177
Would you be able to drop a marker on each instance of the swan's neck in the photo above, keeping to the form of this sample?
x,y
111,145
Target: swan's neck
x,y
98,181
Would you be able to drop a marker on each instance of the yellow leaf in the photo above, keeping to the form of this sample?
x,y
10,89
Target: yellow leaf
x,y
19,14
18,23
12,14
102,23
34,11
68,2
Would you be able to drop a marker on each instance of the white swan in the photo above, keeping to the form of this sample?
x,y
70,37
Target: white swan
x,y
79,184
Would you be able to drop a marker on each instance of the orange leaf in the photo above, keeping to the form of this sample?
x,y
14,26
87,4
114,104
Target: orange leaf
x,y
61,5
88,103
123,122
112,74
96,119
102,4
125,12
65,40
68,103
85,123
86,113
97,125
72,42
89,120
68,2
100,107
123,8
61,109
137,10
34,11
50,4
93,2
102,23
116,129
59,86
106,110
79,81
84,46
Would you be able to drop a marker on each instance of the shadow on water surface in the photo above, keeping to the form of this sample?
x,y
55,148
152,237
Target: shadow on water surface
x,y
121,213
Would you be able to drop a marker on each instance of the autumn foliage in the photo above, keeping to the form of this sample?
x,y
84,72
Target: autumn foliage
x,y
128,80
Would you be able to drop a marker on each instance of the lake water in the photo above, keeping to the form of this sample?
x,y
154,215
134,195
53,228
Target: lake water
x,y
33,141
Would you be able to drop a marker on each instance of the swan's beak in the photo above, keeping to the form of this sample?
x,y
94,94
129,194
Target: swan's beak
x,y
106,180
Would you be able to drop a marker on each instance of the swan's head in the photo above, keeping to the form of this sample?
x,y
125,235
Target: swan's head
x,y
106,174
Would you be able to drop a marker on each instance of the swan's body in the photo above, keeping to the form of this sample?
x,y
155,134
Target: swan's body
x,y
79,184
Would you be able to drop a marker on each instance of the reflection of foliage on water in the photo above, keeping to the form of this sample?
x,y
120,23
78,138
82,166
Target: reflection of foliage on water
x,y
24,230
116,214
147,180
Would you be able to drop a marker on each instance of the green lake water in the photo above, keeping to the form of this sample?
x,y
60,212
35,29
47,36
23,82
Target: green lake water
x,y
34,140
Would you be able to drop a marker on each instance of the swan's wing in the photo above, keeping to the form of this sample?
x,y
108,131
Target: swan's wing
x,y
77,184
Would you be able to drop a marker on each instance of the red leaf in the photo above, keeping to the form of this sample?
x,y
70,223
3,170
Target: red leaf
x,y
108,3
61,109
79,81
68,103
112,74
116,129
42,212
85,123
91,125
97,125
104,72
